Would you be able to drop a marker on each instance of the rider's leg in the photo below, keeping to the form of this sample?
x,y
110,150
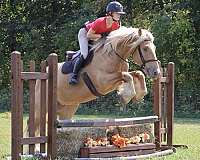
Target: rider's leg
x,y
77,67
83,42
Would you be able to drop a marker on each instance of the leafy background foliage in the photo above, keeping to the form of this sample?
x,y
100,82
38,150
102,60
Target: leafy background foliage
x,y
39,27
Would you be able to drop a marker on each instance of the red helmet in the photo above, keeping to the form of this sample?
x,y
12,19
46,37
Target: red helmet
x,y
115,7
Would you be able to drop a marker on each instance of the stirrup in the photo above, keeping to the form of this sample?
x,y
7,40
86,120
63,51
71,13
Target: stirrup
x,y
73,81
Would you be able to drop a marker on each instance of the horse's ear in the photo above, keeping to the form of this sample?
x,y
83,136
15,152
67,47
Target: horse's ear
x,y
140,31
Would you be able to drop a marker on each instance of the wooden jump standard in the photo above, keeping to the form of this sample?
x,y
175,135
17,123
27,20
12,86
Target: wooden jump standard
x,y
17,78
163,107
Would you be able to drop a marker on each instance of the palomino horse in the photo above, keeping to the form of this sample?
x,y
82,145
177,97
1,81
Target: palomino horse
x,y
108,70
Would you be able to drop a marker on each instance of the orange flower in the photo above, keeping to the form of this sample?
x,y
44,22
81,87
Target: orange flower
x,y
119,141
146,136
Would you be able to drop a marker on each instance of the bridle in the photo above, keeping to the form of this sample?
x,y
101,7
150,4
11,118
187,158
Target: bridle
x,y
144,62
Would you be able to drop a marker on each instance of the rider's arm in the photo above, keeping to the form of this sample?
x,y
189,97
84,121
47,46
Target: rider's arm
x,y
92,35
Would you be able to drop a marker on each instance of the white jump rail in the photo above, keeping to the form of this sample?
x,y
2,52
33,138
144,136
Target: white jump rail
x,y
107,122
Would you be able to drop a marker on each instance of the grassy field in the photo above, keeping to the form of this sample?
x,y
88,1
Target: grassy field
x,y
187,131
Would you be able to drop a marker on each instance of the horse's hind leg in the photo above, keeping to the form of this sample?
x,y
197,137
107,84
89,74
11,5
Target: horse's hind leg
x,y
66,111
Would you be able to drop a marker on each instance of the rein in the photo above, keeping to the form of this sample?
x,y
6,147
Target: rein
x,y
144,62
118,54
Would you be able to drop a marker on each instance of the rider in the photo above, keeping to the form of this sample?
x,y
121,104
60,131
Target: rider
x,y
95,30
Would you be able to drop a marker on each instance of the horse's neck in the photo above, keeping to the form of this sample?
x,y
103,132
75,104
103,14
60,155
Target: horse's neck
x,y
109,63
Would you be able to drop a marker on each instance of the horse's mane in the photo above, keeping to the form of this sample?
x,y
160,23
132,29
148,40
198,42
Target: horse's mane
x,y
129,36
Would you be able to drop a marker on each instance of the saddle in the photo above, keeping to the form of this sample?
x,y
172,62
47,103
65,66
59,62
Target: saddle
x,y
70,59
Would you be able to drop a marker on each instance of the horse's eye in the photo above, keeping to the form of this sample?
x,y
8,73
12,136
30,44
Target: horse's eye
x,y
145,49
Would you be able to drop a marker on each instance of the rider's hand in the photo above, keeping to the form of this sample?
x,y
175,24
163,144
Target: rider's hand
x,y
96,37
105,34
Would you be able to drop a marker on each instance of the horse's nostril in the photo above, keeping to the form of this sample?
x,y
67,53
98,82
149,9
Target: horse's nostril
x,y
155,73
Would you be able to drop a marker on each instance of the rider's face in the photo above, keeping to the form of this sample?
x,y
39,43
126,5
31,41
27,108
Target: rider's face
x,y
116,16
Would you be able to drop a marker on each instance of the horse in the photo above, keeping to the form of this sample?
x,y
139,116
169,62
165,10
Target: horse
x,y
108,71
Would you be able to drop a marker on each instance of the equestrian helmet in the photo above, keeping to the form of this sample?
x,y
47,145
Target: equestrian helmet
x,y
115,7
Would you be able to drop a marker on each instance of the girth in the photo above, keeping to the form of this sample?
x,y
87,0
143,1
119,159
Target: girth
x,y
90,84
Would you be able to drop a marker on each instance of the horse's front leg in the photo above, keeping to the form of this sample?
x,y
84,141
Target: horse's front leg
x,y
126,91
140,85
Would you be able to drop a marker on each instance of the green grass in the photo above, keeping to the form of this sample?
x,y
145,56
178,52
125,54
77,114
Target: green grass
x,y
187,131
5,132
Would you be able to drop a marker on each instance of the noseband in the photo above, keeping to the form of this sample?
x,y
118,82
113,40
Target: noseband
x,y
144,62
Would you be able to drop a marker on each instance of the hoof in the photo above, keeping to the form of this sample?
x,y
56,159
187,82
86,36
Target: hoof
x,y
121,100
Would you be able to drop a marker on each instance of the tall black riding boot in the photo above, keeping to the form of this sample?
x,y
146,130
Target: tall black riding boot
x,y
77,66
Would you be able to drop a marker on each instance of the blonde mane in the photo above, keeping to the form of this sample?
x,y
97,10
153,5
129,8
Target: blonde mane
x,y
129,36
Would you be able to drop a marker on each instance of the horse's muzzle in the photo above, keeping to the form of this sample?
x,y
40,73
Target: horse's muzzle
x,y
153,73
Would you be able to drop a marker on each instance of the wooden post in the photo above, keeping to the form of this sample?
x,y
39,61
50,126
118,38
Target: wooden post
x,y
52,105
22,105
170,103
16,106
31,124
43,105
157,111
164,107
